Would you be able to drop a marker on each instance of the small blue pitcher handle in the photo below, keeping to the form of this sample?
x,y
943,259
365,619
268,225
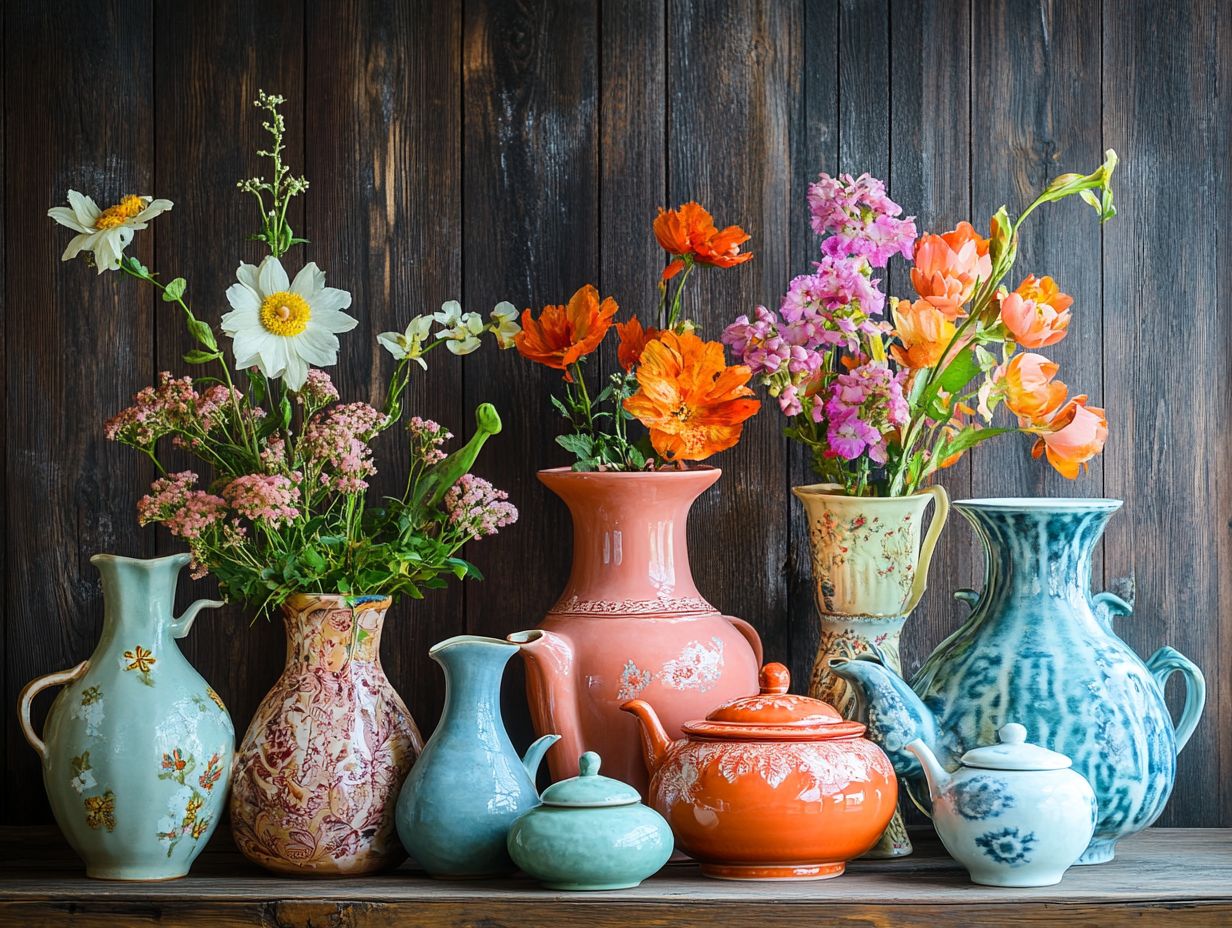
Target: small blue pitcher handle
x,y
1163,664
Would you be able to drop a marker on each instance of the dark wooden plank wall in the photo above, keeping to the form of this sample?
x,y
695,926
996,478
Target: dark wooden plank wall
x,y
493,150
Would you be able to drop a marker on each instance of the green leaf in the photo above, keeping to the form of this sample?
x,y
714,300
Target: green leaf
x,y
312,558
174,290
968,438
956,375
581,445
201,357
202,332
285,408
561,407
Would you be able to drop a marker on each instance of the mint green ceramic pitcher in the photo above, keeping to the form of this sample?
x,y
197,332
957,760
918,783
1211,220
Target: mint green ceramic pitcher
x,y
137,748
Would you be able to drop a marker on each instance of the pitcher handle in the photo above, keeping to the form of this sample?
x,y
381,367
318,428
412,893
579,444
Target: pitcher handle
x,y
32,689
181,624
1163,664
749,633
941,511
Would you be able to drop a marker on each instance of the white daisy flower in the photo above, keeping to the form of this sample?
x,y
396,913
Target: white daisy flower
x,y
505,323
408,344
282,326
105,232
462,330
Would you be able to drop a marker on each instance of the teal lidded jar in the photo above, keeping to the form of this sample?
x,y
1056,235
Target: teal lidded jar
x,y
590,833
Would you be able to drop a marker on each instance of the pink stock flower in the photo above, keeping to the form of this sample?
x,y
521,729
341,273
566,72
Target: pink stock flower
x,y
268,498
186,512
476,508
859,219
789,401
757,343
156,411
864,406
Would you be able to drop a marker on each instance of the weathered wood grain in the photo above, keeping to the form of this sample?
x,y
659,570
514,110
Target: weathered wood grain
x,y
1168,352
207,124
1162,878
77,115
383,136
530,234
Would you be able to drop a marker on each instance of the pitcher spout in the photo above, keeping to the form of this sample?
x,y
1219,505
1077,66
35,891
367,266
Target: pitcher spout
x,y
655,743
534,754
895,715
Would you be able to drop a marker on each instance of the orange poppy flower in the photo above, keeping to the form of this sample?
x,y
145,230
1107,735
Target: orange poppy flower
x,y
693,404
1078,433
923,331
633,341
948,267
690,230
1037,313
563,335
1030,392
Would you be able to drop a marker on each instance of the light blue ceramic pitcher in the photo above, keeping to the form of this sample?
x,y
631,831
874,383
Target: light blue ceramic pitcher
x,y
137,747
469,785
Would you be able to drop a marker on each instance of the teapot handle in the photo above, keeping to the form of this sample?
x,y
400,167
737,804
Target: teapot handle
x,y
32,689
749,633
1163,664
941,510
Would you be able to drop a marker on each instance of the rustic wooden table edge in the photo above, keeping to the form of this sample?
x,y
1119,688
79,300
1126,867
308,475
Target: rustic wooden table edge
x,y
1163,877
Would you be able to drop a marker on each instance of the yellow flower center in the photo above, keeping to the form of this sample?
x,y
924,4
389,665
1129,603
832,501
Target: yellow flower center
x,y
682,412
117,215
285,313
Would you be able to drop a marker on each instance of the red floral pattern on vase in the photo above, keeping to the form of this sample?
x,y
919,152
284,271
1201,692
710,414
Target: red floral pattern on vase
x,y
318,773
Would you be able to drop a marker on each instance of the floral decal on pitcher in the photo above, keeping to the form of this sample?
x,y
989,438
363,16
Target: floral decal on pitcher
x,y
1007,846
140,660
697,668
90,709
177,766
100,811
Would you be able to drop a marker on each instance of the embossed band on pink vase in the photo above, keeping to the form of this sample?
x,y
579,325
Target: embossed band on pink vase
x,y
630,623
318,773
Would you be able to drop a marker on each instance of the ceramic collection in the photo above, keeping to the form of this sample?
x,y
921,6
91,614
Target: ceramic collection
x,y
630,623
769,787
1033,736
869,572
1014,814
1038,649
590,833
137,748
318,772
469,786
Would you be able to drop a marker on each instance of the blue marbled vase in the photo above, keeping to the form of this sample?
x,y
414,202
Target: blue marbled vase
x,y
1039,649
468,786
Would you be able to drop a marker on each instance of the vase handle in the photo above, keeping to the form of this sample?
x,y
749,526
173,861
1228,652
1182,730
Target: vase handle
x,y
940,511
750,635
1163,664
32,689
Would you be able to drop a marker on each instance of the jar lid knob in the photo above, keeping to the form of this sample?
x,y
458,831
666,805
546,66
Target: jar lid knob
x,y
774,679
1012,733
588,764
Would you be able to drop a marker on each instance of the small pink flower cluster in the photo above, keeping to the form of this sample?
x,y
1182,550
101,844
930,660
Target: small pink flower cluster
x,y
859,219
187,512
426,440
864,406
269,498
476,508
274,454
212,402
336,444
318,390
156,411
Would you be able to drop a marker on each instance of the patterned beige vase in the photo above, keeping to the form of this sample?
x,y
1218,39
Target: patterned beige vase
x,y
318,773
870,572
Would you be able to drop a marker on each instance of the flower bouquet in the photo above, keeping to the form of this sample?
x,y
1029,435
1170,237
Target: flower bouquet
x,y
286,519
882,407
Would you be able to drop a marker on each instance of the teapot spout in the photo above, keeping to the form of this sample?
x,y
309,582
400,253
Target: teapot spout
x,y
937,776
551,690
895,715
655,743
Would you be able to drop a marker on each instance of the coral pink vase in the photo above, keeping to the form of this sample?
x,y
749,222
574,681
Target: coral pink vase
x,y
317,777
630,623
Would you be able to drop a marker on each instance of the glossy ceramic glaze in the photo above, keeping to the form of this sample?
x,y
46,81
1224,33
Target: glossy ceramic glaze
x,y
631,623
769,787
1039,649
1012,814
590,833
137,748
318,773
869,572
469,785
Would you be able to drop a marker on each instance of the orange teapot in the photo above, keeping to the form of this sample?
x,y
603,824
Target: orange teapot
x,y
769,787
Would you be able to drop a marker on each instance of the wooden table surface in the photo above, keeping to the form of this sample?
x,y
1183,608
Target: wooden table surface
x,y
1161,878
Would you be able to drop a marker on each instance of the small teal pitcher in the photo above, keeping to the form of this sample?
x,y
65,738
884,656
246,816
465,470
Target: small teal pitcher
x,y
137,747
469,786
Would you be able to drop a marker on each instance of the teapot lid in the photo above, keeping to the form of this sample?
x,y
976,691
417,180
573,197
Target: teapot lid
x,y
774,715
588,789
1014,753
